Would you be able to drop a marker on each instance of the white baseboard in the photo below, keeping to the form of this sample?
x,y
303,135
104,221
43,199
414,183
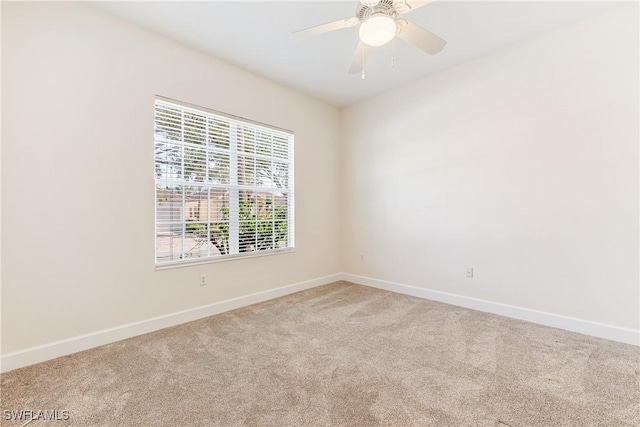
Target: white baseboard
x,y
65,347
600,330
68,346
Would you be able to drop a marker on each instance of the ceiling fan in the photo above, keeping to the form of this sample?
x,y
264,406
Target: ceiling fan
x,y
379,24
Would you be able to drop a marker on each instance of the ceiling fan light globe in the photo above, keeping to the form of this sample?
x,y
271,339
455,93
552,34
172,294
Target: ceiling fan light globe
x,y
379,29
369,3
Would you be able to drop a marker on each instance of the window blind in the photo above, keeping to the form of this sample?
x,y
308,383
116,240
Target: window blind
x,y
224,185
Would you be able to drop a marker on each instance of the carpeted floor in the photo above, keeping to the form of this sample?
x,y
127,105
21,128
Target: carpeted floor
x,y
341,354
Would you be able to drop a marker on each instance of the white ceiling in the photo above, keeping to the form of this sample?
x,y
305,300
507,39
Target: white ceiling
x,y
256,37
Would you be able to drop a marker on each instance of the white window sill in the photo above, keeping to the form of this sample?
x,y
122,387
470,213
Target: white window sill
x,y
223,258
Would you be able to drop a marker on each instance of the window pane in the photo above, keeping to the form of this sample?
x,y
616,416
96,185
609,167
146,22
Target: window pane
x,y
263,224
195,164
220,237
196,217
196,240
218,134
264,175
219,221
195,204
246,209
264,235
218,165
281,232
246,140
168,160
246,170
168,123
280,147
169,242
218,209
280,173
280,207
247,236
263,144
168,206
195,128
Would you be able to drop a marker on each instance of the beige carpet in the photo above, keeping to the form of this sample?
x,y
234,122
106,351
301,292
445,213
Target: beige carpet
x,y
341,354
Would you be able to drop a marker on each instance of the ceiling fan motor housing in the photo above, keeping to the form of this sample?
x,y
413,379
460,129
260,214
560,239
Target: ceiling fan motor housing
x,y
384,6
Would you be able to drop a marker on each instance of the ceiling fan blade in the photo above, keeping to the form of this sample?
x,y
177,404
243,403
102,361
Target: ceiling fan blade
x,y
404,6
362,51
325,28
421,38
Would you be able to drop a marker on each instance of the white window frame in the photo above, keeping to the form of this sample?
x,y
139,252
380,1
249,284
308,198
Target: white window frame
x,y
233,186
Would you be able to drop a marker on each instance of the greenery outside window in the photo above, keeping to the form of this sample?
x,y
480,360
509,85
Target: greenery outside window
x,y
224,185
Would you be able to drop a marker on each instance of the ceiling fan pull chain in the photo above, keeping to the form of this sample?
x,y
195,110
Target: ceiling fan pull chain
x,y
363,48
393,53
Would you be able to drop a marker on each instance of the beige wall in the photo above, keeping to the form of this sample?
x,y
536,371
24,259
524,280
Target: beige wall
x,y
522,164
78,97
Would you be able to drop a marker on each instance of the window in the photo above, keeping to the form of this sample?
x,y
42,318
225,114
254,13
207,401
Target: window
x,y
224,185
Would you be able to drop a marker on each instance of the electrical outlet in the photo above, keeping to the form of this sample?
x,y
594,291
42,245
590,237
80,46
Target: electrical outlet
x,y
203,279
361,258
470,272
